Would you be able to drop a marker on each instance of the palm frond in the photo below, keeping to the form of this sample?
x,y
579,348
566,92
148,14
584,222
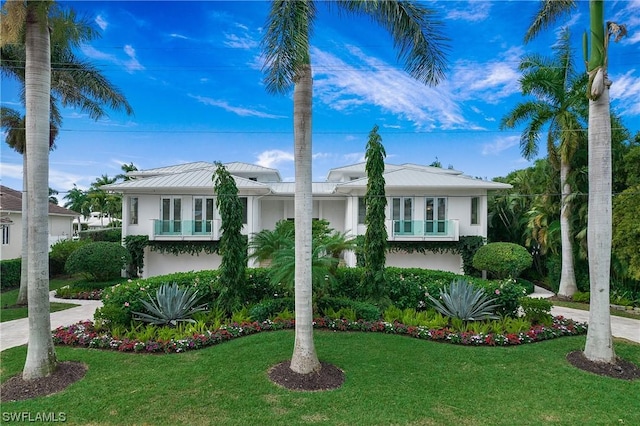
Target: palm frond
x,y
547,14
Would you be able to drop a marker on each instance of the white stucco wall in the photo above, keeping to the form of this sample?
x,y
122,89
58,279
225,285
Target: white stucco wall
x,y
437,261
162,264
60,228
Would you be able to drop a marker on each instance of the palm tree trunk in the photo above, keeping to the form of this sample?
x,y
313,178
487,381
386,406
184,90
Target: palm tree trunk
x,y
599,345
567,277
304,359
24,270
41,357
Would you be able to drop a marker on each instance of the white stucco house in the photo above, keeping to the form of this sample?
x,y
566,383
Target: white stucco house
x,y
177,203
60,223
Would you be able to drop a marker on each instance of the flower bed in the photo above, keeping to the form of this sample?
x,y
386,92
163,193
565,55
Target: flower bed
x,y
80,294
84,334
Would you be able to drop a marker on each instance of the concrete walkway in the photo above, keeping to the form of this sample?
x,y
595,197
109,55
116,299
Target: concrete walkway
x,y
625,328
15,333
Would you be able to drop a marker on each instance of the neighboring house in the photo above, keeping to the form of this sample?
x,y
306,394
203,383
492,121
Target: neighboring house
x,y
177,203
95,220
60,223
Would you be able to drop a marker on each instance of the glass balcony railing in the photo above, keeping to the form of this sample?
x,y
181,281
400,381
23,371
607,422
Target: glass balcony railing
x,y
424,228
183,227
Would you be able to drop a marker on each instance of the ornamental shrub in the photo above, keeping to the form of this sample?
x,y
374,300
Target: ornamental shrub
x,y
502,260
113,235
536,310
99,261
60,253
10,273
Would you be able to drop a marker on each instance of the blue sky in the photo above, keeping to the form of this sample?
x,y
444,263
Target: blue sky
x,y
192,72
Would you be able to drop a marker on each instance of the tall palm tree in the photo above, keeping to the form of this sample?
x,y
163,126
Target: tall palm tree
x,y
74,83
14,124
28,22
559,104
420,42
599,344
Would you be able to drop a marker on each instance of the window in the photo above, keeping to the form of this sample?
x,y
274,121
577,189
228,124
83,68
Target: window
x,y
5,234
402,215
475,202
133,211
244,201
202,215
362,211
435,215
171,215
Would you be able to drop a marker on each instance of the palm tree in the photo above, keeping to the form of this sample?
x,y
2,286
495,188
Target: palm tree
x,y
77,201
29,21
74,83
14,124
126,168
599,344
286,43
558,104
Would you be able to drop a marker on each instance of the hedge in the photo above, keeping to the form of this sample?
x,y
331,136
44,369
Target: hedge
x,y
10,274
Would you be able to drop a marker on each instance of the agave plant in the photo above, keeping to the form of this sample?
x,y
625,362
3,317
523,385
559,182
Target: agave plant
x,y
462,300
171,305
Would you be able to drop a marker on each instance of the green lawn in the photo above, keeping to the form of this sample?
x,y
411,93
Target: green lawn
x,y
390,380
8,299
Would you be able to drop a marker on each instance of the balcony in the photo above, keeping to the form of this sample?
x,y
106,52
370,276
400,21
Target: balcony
x,y
423,230
179,229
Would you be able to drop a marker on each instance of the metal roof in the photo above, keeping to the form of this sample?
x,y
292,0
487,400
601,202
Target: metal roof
x,y
197,179
416,178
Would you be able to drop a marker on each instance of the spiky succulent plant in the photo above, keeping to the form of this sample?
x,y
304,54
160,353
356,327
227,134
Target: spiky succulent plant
x,y
462,300
171,305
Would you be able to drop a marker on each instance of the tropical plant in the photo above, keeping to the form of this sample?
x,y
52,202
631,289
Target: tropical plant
x,y
463,301
375,237
287,63
72,83
599,344
626,232
233,245
170,306
504,260
99,261
559,103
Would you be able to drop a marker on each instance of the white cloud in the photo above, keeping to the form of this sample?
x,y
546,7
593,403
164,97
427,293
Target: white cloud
x,y
472,11
244,41
489,82
102,23
345,87
241,111
273,158
180,36
58,179
354,157
132,64
502,143
13,171
625,91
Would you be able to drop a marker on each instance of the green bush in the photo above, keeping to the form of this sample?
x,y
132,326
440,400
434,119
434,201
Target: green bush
x,y
537,311
10,274
270,308
113,235
502,260
60,253
101,261
554,271
363,310
581,297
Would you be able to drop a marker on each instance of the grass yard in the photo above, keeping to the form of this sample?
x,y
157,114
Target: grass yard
x,y
9,312
390,380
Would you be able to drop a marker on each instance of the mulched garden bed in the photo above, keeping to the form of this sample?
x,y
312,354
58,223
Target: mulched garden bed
x,y
66,374
328,377
620,369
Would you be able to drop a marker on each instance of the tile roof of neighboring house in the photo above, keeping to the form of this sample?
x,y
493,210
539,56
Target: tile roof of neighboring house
x,y
11,201
195,179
